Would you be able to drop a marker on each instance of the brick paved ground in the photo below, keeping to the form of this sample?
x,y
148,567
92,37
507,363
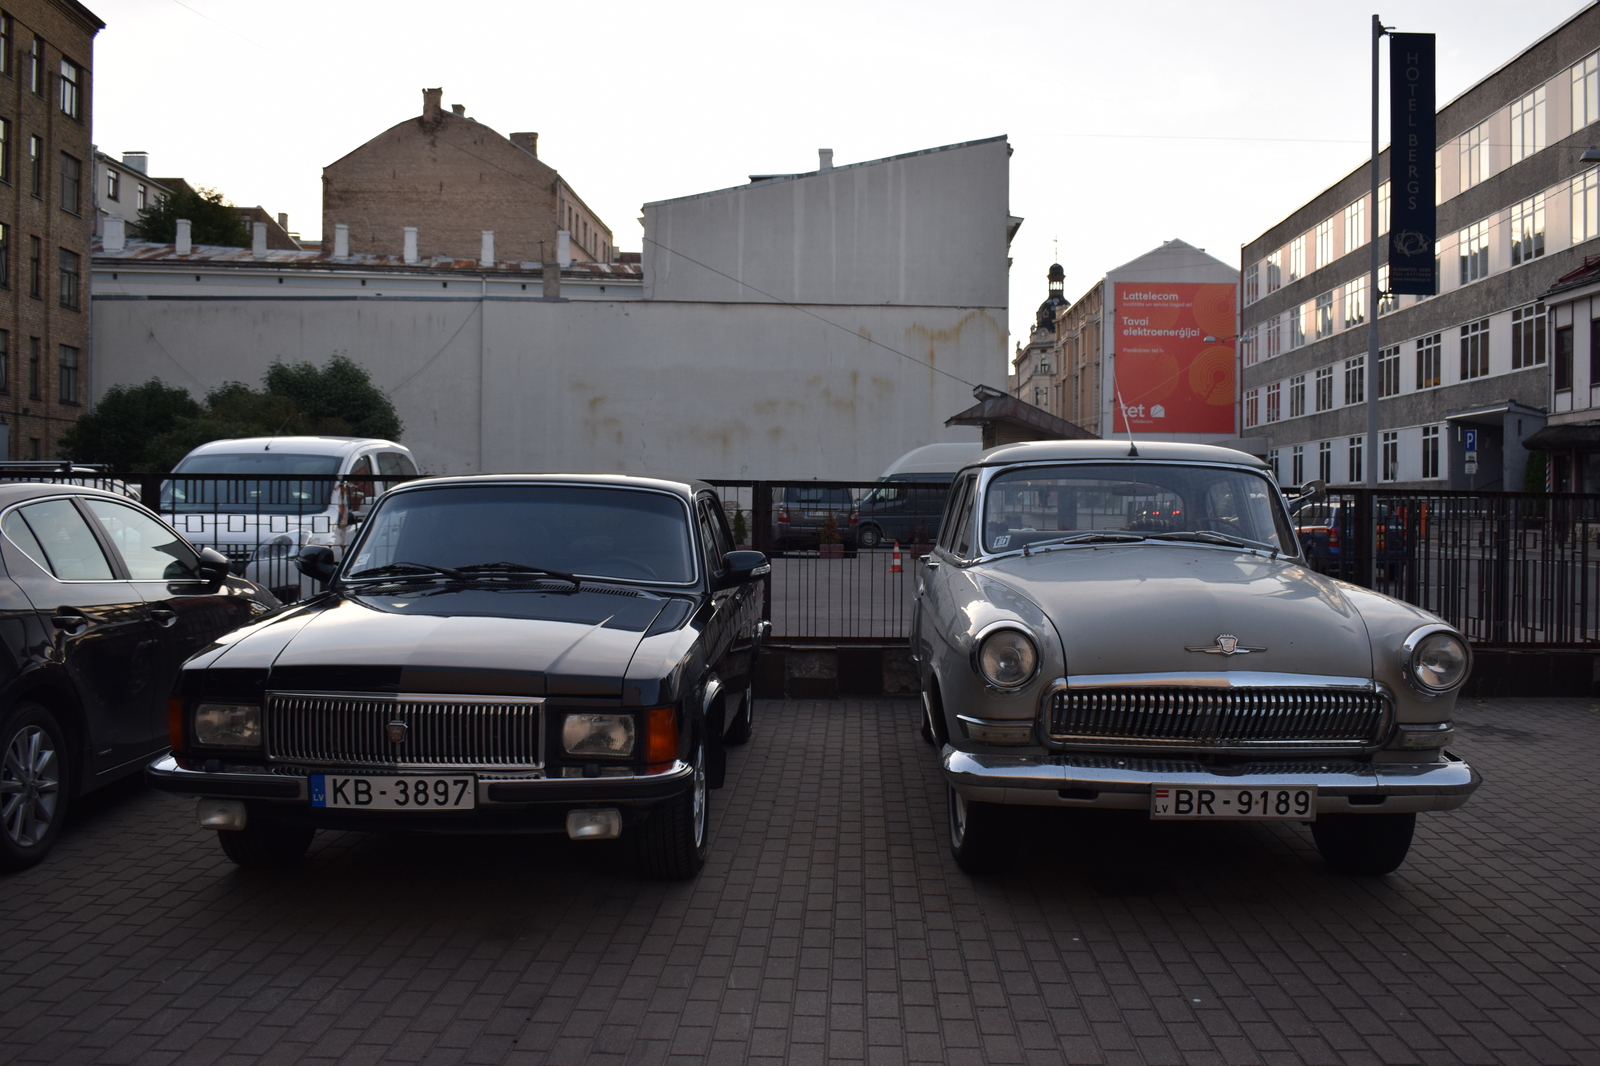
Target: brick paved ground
x,y
832,925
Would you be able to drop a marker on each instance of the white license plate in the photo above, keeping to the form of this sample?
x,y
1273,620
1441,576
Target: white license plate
x,y
1294,802
411,792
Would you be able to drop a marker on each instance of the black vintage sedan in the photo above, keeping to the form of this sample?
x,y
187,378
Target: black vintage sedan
x,y
521,653
100,602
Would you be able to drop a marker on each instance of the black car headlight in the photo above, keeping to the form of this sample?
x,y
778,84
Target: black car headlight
x,y
1006,658
228,725
598,734
1436,659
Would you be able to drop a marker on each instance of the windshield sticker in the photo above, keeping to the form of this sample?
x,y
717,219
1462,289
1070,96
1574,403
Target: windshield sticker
x,y
1001,542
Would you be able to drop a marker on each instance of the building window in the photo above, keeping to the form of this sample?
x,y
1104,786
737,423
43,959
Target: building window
x,y
1250,346
1527,125
1252,283
71,89
5,147
1388,372
1325,315
1561,372
1474,156
1297,259
1297,396
35,267
1325,460
1272,462
1430,361
1297,328
71,183
1324,385
1383,208
5,256
35,380
1275,271
1355,225
1585,92
1387,301
1252,408
1324,243
67,358
1527,336
36,66
1274,343
1585,210
1274,402
69,279
1353,453
1527,230
1297,464
1355,302
113,185
5,44
36,165
141,197
5,360
1355,380
1430,451
1473,247
1390,469
1474,350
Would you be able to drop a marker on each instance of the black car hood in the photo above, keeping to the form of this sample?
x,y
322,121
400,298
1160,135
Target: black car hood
x,y
474,640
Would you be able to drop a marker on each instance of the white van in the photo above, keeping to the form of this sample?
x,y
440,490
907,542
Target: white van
x,y
241,497
906,507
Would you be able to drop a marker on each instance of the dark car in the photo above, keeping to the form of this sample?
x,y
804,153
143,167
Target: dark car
x,y
1324,530
100,604
524,653
801,516
904,509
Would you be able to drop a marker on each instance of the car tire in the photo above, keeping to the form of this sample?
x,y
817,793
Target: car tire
x,y
266,845
739,732
981,836
34,785
1365,845
674,840
870,537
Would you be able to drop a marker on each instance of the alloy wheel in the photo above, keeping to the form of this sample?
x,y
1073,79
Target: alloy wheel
x,y
30,786
958,818
699,811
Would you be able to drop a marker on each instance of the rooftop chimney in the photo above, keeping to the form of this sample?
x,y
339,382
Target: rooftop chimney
x,y
459,110
563,248
552,280
283,221
410,255
341,241
486,254
139,161
430,104
258,240
824,158
180,241
528,142
115,237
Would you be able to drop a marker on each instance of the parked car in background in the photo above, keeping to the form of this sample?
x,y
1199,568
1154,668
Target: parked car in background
x,y
102,602
801,513
907,508
1107,627
533,653
1325,530
243,498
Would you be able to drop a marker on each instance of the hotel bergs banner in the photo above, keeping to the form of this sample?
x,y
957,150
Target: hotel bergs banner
x,y
1172,379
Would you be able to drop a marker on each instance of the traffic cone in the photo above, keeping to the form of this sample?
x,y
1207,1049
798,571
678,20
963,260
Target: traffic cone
x,y
894,567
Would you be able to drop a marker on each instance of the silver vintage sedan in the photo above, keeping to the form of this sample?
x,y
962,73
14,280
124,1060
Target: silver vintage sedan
x,y
1117,626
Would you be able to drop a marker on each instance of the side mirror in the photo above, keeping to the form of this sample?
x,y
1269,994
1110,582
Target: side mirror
x,y
316,561
1311,492
741,568
214,567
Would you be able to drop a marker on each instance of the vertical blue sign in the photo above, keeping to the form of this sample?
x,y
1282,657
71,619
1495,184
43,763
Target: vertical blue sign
x,y
1469,439
1413,218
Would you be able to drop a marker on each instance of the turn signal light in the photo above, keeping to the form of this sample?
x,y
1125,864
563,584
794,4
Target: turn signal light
x,y
175,723
661,737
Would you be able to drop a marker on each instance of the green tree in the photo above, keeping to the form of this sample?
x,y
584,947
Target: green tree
x,y
231,410
339,398
1533,473
213,220
128,417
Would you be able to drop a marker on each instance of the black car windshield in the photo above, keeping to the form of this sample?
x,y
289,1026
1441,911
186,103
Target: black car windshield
x,y
588,530
238,487
1208,504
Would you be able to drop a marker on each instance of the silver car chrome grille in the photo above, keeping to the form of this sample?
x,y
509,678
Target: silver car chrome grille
x,y
1220,718
351,729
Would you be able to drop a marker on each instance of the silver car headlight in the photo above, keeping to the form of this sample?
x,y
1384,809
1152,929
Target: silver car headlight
x,y
598,734
1006,658
228,725
1436,659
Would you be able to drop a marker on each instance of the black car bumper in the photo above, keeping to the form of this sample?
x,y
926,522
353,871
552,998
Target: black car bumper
x,y
504,805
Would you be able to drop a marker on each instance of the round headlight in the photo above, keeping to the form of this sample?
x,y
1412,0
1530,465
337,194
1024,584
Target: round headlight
x,y
1439,661
1007,658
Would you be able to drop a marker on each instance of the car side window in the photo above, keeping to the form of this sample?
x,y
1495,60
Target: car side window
x,y
958,496
963,530
70,549
708,537
151,551
19,534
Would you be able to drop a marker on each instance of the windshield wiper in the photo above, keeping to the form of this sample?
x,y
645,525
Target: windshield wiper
x,y
420,569
1097,536
1211,536
516,569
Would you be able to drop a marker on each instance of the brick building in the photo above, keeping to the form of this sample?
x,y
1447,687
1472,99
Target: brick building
x,y
46,217
452,178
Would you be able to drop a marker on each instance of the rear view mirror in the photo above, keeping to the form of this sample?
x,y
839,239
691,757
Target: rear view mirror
x,y
214,566
1311,492
741,568
316,561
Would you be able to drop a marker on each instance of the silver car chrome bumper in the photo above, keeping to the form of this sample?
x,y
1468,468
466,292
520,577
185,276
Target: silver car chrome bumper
x,y
1097,781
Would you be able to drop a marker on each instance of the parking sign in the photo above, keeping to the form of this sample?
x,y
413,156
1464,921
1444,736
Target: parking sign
x,y
1470,439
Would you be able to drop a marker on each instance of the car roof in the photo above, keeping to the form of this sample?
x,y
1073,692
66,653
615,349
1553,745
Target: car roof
x,y
16,491
944,458
1114,450
340,446
685,489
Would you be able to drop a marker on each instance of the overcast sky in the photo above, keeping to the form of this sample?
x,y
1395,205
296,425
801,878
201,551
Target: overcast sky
x,y
1207,120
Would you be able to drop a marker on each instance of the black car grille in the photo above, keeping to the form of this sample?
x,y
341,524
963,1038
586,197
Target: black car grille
x,y
331,729
1219,719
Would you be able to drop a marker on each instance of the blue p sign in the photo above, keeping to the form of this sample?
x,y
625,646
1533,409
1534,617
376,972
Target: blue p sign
x,y
1470,439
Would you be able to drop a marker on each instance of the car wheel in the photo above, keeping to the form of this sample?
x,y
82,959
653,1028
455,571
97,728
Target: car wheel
x,y
674,840
739,731
870,536
33,785
981,835
266,845
1368,845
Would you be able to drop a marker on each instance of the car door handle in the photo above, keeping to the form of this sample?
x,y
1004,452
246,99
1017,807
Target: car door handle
x,y
68,621
930,563
163,616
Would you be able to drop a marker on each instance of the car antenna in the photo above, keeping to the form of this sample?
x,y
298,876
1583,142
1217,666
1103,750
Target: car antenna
x,y
1133,450
268,446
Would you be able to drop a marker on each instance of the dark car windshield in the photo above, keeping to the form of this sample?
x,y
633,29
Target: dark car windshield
x,y
1044,503
587,530
238,488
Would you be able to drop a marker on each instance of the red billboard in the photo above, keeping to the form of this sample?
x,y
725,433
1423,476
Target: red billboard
x,y
1174,365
